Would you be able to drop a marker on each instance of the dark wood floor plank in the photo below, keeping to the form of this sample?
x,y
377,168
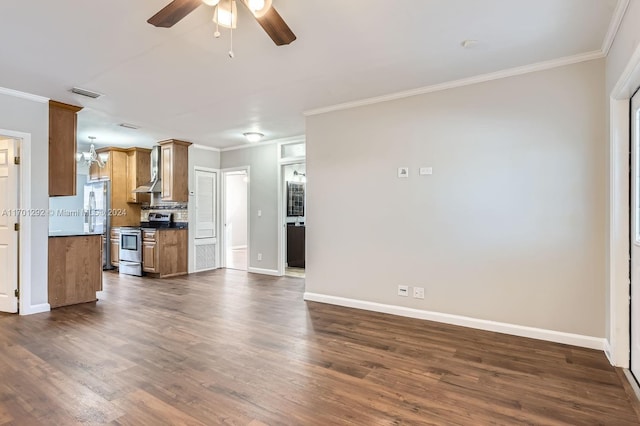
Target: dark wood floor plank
x,y
227,347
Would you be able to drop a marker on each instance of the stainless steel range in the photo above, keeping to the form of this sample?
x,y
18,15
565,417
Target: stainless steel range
x,y
131,243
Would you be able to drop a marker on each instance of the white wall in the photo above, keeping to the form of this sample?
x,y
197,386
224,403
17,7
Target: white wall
x,y
236,205
22,115
509,228
263,188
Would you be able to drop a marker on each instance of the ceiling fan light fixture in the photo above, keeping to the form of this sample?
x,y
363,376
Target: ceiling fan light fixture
x,y
258,7
226,14
211,2
253,137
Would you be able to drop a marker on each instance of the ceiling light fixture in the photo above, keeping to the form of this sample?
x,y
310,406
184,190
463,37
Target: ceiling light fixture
x,y
253,136
259,7
92,156
225,15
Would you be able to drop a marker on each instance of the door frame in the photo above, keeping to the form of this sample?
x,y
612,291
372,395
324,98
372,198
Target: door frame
x,y
617,346
282,209
223,212
23,146
282,218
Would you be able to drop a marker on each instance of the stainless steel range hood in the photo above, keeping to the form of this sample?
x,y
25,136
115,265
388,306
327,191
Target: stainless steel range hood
x,y
155,185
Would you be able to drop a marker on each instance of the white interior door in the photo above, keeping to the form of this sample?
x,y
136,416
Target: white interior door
x,y
205,204
205,241
8,236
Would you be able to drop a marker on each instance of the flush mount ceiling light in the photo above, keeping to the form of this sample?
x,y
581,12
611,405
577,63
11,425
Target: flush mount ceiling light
x,y
92,156
253,136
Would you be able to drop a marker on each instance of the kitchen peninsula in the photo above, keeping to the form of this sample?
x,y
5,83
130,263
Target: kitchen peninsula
x,y
75,268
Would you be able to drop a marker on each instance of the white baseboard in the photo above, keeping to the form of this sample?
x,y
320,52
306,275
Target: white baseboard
x,y
36,309
632,382
607,352
500,327
273,272
238,247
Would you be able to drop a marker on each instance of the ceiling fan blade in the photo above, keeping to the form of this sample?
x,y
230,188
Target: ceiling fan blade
x,y
276,28
173,12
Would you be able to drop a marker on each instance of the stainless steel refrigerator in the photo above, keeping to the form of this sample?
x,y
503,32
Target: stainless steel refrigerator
x,y
96,215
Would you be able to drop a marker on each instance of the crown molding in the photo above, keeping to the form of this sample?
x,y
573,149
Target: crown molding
x,y
292,139
205,147
510,72
614,25
23,95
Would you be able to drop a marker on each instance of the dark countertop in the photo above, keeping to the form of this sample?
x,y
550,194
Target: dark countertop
x,y
55,234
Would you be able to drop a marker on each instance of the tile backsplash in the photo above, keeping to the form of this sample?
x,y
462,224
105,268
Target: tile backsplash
x,y
179,210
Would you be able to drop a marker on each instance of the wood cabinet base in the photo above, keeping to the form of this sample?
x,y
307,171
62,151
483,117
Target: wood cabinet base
x,y
75,269
164,252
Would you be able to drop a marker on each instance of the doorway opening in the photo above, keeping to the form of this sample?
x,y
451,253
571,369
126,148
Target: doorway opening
x,y
294,179
236,219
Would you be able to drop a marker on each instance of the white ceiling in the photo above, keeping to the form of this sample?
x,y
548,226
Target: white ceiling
x,y
180,83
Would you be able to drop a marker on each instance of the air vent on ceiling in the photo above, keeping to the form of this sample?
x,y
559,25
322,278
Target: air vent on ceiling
x,y
129,126
85,92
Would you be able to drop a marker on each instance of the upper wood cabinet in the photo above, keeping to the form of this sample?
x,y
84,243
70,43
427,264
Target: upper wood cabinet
x,y
122,213
175,170
98,173
138,173
62,148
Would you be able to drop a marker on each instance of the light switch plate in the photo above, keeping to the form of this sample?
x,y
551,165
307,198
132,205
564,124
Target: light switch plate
x,y
426,171
403,172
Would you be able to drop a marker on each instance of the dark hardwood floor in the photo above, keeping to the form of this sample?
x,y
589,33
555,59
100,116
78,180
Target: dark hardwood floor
x,y
229,347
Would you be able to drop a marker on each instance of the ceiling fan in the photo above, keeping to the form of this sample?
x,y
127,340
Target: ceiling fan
x,y
266,15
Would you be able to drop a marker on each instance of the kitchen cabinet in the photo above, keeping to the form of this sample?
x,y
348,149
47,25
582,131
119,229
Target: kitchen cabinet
x,y
63,123
138,173
115,170
99,173
149,251
114,240
75,269
164,252
175,168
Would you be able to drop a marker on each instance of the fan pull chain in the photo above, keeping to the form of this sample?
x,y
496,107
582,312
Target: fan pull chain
x,y
217,12
231,54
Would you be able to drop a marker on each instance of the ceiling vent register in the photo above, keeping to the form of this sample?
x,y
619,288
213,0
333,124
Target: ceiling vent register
x,y
85,92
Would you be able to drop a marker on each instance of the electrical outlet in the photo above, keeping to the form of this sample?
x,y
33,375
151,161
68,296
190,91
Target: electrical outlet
x,y
418,292
259,257
403,290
